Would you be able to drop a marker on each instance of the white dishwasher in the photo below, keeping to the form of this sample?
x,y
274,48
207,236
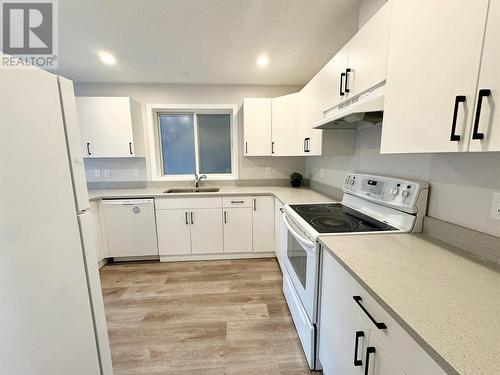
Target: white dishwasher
x,y
130,226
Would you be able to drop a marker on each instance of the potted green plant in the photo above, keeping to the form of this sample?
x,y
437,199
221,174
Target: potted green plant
x,y
296,179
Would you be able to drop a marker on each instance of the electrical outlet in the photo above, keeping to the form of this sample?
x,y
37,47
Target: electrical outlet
x,y
106,173
495,207
268,171
135,172
97,173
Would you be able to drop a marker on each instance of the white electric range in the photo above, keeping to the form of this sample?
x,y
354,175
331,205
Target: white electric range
x,y
371,204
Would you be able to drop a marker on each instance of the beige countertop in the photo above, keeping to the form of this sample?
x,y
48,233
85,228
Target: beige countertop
x,y
286,195
449,303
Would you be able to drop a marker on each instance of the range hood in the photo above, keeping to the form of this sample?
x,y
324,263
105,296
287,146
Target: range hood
x,y
363,110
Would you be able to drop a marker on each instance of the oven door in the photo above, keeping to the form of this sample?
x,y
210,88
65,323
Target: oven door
x,y
301,264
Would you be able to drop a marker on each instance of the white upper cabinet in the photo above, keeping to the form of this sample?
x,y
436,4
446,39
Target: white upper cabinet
x,y
310,111
487,111
333,79
285,126
433,66
263,224
367,62
361,64
110,127
257,126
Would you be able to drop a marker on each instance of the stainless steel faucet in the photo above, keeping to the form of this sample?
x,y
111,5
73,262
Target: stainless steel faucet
x,y
197,179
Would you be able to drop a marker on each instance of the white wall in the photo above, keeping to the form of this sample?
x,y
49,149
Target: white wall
x,y
250,167
462,185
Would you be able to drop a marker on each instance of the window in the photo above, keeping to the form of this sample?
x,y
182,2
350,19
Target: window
x,y
195,142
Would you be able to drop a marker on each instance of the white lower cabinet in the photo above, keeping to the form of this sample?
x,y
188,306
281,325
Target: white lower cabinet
x,y
263,224
237,230
206,231
350,342
174,234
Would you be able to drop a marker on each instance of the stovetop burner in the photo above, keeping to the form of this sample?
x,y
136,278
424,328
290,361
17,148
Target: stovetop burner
x,y
337,218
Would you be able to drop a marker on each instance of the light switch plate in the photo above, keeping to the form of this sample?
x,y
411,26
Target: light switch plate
x,y
268,171
495,207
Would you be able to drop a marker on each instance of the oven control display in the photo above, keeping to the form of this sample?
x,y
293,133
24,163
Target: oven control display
x,y
373,187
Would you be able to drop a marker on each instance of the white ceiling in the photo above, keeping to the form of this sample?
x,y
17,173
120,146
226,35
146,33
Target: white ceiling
x,y
215,41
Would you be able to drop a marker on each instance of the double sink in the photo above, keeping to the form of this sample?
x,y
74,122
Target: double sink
x,y
192,190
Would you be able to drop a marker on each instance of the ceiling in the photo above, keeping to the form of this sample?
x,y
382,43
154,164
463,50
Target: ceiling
x,y
213,41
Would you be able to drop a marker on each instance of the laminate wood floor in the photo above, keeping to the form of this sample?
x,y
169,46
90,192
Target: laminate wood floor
x,y
224,317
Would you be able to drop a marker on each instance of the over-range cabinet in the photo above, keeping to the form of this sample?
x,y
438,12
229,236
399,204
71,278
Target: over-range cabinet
x,y
434,100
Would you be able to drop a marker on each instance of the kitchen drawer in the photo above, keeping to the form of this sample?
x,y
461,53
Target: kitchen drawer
x,y
244,201
409,355
173,203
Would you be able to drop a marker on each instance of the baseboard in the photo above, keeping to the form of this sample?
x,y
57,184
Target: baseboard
x,y
186,258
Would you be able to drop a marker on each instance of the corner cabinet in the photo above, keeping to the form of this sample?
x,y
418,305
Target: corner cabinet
x,y
432,92
285,126
110,127
350,343
257,117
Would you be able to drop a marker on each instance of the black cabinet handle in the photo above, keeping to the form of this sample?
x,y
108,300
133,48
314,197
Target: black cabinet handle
x,y
342,76
255,204
130,148
225,217
455,137
484,93
357,362
308,144
186,218
192,218
369,350
272,147
246,147
347,71
88,149
240,202
358,300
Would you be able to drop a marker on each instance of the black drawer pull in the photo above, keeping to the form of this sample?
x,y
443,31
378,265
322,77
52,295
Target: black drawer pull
x,y
358,300
369,350
237,201
454,137
357,362
342,75
484,93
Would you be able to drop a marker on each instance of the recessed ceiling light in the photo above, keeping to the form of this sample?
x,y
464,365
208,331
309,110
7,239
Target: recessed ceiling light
x,y
262,60
107,58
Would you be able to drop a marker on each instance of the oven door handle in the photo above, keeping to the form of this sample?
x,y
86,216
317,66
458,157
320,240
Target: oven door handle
x,y
304,241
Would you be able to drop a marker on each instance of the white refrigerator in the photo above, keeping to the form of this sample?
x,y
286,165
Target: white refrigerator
x,y
52,317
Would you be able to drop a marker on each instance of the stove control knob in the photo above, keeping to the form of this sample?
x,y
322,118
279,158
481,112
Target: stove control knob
x,y
395,191
405,193
351,182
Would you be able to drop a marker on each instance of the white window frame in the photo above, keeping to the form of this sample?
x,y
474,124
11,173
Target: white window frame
x,y
153,111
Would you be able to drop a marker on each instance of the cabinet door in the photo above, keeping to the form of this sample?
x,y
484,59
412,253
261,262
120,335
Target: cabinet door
x,y
82,108
432,62
310,111
379,361
334,79
488,120
174,236
94,211
206,231
341,330
368,53
237,230
257,126
111,126
263,224
285,126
